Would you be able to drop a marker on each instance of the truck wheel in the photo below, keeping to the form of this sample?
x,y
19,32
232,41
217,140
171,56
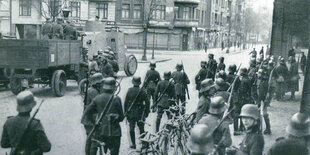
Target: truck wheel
x,y
131,65
59,83
82,87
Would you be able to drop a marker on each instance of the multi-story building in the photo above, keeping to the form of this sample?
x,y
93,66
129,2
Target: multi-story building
x,y
171,24
5,17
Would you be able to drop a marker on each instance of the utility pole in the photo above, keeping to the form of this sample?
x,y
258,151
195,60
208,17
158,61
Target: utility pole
x,y
145,27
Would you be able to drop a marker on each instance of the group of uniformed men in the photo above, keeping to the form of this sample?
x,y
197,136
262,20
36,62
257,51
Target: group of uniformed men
x,y
223,99
59,30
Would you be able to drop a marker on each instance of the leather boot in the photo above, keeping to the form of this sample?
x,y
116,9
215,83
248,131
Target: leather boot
x,y
133,139
267,122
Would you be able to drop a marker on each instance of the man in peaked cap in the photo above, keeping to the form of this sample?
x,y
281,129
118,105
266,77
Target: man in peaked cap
x,y
137,99
296,142
109,130
201,141
207,91
151,80
221,135
35,141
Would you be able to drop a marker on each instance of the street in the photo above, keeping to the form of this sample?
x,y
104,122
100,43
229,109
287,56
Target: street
x,y
61,116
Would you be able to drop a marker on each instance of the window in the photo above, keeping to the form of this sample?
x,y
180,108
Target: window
x,y
25,7
202,15
75,9
176,12
102,10
216,19
159,12
239,8
125,11
137,11
186,13
197,14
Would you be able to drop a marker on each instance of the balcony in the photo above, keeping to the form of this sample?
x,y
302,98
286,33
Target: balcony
x,y
185,22
196,2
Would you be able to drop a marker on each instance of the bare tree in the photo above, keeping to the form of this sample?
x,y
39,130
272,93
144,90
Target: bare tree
x,y
148,8
50,8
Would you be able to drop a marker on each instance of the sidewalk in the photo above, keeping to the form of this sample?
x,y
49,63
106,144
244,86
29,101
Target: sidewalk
x,y
160,54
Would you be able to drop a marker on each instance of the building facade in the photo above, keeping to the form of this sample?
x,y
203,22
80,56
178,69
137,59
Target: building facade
x,y
171,24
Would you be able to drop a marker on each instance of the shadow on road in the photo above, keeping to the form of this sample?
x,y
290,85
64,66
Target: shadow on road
x,y
47,92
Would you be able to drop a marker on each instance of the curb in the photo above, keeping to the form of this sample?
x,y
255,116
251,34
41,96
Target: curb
x,y
148,61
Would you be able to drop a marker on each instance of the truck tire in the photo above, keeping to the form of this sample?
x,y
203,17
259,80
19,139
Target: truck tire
x,y
59,83
131,65
15,85
82,85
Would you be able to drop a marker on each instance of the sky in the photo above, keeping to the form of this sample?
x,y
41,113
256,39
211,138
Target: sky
x,y
261,5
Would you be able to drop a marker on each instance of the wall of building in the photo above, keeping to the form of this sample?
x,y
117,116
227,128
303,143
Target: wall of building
x,y
5,17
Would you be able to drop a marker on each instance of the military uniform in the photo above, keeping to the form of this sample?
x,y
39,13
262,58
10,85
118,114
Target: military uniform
x,y
201,141
221,65
107,70
202,74
253,143
262,89
211,67
110,129
152,78
293,77
221,135
303,63
57,31
221,89
288,146
166,90
204,100
47,30
180,82
35,141
140,108
281,74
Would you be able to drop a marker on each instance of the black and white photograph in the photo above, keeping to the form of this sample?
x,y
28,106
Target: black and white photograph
x,y
154,77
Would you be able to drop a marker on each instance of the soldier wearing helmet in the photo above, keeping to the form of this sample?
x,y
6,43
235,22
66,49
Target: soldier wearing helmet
x,y
221,74
180,83
281,76
231,73
272,83
201,141
262,89
105,68
95,82
221,65
221,135
93,66
253,142
164,93
296,142
137,108
151,80
58,29
211,67
109,130
293,77
221,89
202,74
207,91
35,141
47,29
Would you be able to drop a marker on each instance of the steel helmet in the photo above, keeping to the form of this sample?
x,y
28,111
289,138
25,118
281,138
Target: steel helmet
x,y
220,84
250,110
243,71
96,78
136,80
100,52
203,63
211,56
109,83
153,64
217,105
299,125
206,85
221,59
221,74
179,66
167,75
25,101
201,140
232,68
